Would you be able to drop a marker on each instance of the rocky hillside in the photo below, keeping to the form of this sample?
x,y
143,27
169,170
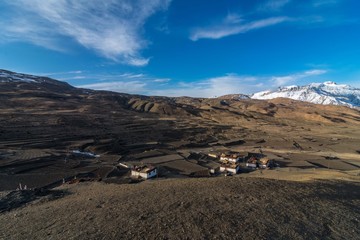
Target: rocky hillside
x,y
43,120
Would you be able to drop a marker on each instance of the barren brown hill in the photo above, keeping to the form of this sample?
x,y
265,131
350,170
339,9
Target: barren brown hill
x,y
42,121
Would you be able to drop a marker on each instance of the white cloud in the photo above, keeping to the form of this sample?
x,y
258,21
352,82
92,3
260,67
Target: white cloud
x,y
146,85
132,75
233,25
232,18
162,80
72,78
134,83
112,28
314,72
211,87
217,86
138,61
50,74
283,80
133,87
280,81
233,84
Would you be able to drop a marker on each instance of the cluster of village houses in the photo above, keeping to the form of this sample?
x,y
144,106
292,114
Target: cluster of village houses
x,y
229,163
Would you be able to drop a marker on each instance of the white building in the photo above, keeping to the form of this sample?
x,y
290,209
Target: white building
x,y
252,163
144,171
234,158
233,168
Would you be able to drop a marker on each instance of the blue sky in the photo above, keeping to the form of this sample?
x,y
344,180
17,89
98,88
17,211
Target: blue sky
x,y
200,48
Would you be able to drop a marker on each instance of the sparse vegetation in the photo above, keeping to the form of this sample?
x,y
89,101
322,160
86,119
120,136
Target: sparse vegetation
x,y
40,130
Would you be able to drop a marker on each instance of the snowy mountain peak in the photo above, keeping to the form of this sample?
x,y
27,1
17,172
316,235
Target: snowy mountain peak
x,y
330,83
318,93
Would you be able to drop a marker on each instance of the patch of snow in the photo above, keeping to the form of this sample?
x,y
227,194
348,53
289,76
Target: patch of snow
x,y
89,154
16,77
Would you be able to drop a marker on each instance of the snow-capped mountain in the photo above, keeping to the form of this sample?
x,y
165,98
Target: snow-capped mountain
x,y
318,93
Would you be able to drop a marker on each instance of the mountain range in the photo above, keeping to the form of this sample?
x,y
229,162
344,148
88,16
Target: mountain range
x,y
327,93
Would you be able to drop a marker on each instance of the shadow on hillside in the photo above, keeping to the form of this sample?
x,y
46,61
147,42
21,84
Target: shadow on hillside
x,y
19,198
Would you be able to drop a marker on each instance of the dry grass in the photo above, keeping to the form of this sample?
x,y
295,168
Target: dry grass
x,y
218,208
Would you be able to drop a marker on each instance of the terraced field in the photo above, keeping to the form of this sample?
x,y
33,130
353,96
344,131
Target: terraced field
x,y
41,127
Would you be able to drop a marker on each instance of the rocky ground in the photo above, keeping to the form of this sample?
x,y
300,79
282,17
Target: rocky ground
x,y
216,208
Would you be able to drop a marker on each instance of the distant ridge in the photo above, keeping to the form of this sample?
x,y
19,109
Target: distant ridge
x,y
8,76
327,93
234,96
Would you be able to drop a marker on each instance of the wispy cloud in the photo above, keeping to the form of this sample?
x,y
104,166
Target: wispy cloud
x,y
234,84
162,80
320,3
134,83
211,87
292,78
274,5
147,85
50,74
72,78
307,13
134,87
111,28
232,25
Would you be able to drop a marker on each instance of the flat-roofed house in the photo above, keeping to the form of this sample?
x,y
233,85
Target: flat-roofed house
x,y
214,167
234,158
144,171
229,167
252,162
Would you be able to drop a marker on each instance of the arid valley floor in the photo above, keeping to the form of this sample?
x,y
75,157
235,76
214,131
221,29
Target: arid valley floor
x,y
314,194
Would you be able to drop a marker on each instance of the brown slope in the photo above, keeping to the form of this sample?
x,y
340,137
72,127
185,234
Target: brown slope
x,y
218,208
53,121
